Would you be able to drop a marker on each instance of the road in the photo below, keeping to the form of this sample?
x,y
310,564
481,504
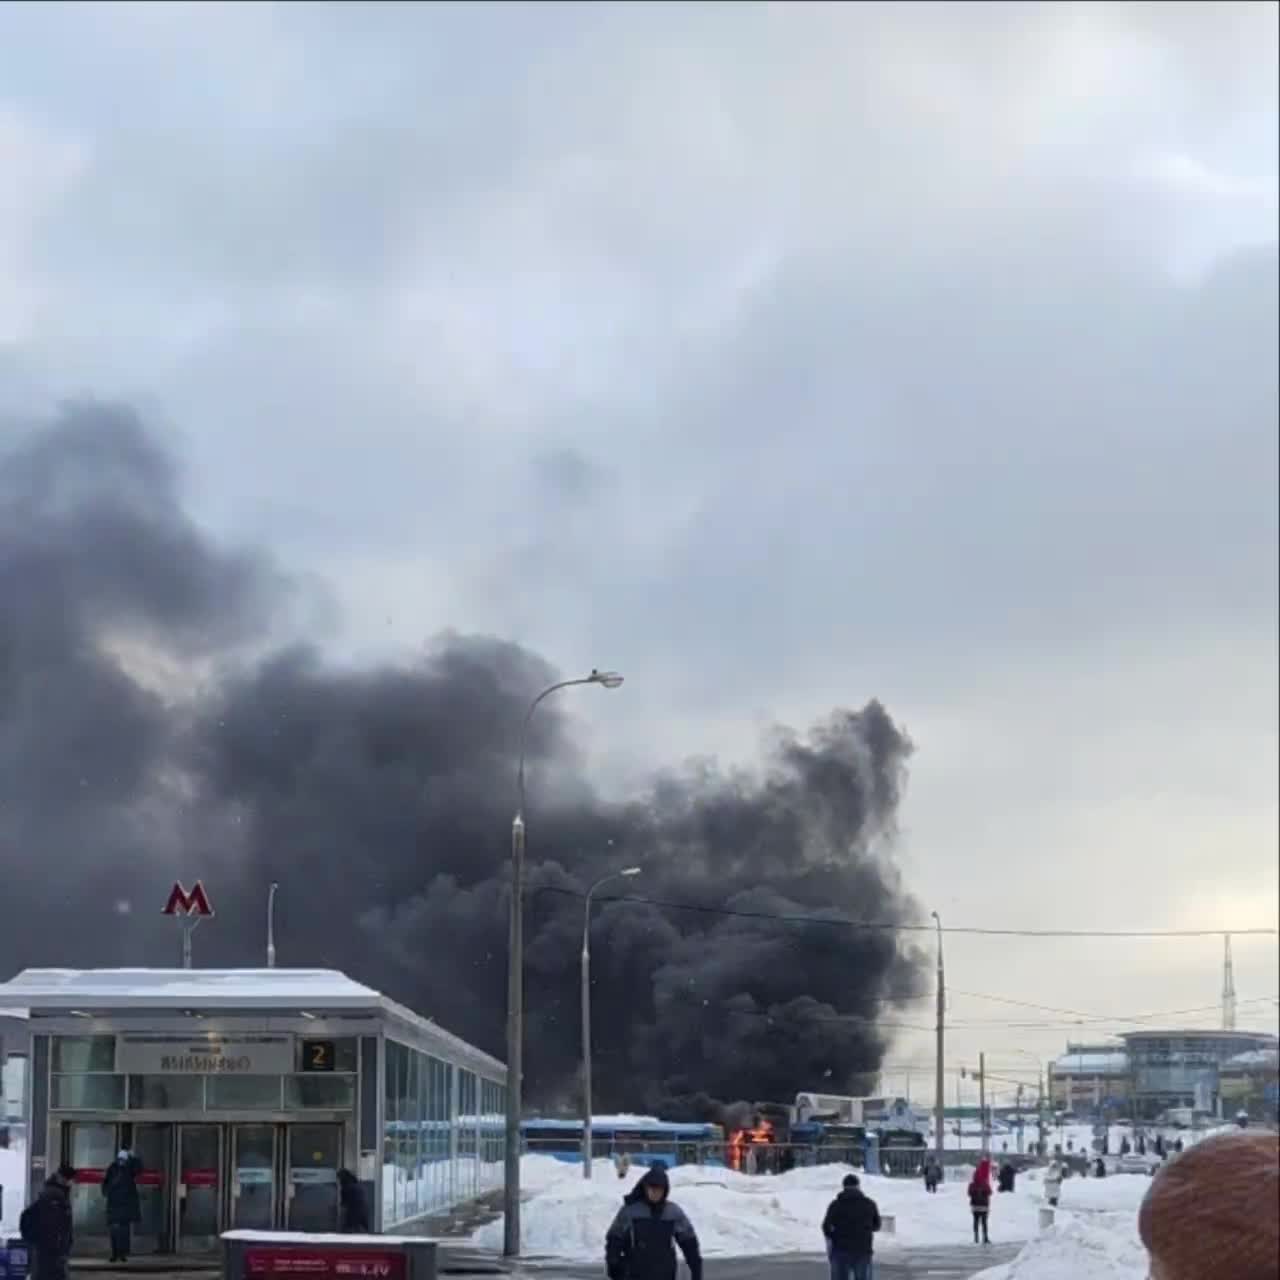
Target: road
x,y
901,1264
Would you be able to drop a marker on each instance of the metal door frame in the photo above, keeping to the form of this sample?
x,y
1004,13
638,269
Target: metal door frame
x,y
287,1132
231,1158
179,1187
169,1185
67,1129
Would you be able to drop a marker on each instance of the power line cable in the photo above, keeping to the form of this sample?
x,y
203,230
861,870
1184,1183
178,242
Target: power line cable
x,y
888,926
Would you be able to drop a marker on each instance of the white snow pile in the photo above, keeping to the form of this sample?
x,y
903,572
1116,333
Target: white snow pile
x,y
1102,1246
565,1216
1094,1235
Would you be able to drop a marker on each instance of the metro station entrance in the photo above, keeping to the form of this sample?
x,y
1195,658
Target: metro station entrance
x,y
201,1179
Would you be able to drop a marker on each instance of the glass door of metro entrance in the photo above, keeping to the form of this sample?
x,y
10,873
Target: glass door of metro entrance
x,y
199,1188
152,1144
255,1184
89,1147
315,1156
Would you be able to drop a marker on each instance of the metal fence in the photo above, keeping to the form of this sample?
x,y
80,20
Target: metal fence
x,y
757,1157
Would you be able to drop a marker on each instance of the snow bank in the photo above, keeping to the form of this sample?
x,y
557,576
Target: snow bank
x,y
735,1215
1083,1247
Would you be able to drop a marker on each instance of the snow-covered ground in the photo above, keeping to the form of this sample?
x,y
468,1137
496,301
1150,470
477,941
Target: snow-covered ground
x,y
1079,1135
736,1215
1097,1246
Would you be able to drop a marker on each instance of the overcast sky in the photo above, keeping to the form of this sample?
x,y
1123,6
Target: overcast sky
x,y
779,356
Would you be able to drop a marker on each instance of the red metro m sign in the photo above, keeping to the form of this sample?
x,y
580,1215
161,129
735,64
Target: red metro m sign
x,y
182,903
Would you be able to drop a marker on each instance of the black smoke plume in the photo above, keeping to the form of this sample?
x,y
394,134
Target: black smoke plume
x,y
156,723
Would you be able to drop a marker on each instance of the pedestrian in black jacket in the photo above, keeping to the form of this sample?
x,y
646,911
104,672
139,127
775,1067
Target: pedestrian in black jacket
x,y
850,1226
124,1205
980,1204
354,1206
641,1243
46,1226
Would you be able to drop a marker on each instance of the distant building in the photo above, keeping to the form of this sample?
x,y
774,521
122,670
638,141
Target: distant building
x,y
1158,1070
1090,1078
1250,1083
1182,1068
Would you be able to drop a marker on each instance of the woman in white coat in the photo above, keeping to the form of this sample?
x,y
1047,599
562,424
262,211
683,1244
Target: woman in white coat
x,y
1053,1183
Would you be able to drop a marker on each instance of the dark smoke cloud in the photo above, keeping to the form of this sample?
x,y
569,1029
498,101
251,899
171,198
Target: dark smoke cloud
x,y
152,727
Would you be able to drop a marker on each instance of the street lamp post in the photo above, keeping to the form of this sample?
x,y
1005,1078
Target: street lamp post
x,y
939,1084
271,925
515,977
587,1150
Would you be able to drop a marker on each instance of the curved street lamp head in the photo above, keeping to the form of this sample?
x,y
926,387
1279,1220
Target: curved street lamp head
x,y
629,871
609,679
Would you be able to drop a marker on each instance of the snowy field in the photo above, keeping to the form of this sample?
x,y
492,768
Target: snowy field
x,y
738,1216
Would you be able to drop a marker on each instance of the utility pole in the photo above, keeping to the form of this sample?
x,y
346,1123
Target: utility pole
x,y
1228,986
982,1101
939,1085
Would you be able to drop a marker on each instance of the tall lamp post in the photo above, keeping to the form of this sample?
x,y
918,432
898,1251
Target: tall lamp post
x,y
587,1149
515,976
271,925
939,1083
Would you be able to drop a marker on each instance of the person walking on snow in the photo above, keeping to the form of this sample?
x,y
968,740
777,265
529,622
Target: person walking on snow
x,y
980,1205
124,1205
641,1244
850,1225
1053,1183
932,1174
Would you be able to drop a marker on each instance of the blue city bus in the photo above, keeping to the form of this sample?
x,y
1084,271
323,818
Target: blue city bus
x,y
828,1142
642,1141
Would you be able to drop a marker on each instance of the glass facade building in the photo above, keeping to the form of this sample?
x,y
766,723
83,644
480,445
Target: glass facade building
x,y
244,1093
1182,1068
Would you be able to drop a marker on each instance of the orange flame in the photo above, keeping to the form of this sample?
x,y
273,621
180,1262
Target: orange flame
x,y
740,1139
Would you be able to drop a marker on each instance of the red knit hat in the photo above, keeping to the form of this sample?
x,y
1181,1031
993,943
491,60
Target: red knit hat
x,y
1215,1211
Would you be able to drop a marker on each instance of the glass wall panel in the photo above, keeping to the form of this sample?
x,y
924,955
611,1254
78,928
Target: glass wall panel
x,y
444,1138
242,1093
412,1132
88,1093
166,1093
330,1093
74,1054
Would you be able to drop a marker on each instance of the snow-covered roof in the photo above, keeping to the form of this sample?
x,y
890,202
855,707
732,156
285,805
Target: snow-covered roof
x,y
65,989
1255,1058
1091,1064
260,991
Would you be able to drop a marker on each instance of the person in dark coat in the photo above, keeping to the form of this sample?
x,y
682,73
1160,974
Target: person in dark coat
x,y
980,1205
641,1244
124,1206
354,1208
46,1226
1007,1177
850,1225
932,1174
